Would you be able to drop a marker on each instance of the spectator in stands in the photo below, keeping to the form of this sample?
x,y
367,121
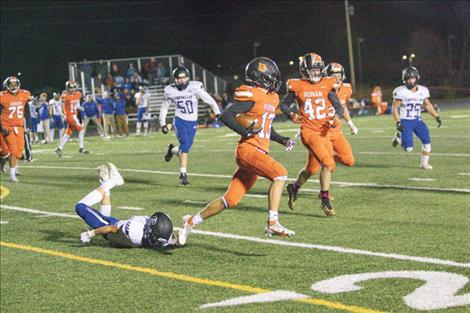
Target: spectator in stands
x,y
44,116
107,106
109,82
101,69
99,80
92,113
226,101
127,84
115,70
151,68
130,70
121,115
129,98
136,81
162,74
118,81
87,70
377,101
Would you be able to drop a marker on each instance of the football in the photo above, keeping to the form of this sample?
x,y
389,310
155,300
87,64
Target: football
x,y
246,121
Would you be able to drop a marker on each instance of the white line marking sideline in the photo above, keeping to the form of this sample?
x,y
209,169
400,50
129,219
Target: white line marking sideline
x,y
342,184
421,179
3,222
281,242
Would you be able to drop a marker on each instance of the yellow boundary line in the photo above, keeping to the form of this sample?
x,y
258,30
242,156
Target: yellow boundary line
x,y
182,277
4,192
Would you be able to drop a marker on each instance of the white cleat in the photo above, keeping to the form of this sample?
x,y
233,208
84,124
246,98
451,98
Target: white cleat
x,y
426,167
103,171
277,229
184,231
13,179
115,175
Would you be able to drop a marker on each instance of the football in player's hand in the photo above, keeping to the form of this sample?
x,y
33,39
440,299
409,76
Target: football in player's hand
x,y
247,121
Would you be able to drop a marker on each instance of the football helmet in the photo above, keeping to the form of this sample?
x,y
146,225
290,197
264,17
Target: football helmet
x,y
158,231
70,86
408,73
181,76
335,70
12,84
311,67
263,72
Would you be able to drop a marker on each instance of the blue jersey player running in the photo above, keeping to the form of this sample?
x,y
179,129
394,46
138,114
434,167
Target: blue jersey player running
x,y
407,102
184,94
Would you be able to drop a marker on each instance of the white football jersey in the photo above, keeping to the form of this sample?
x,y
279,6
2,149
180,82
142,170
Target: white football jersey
x,y
144,99
130,233
411,102
186,101
56,106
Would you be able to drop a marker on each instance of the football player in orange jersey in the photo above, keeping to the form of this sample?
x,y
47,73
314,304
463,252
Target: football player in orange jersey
x,y
317,98
71,99
258,98
342,149
14,111
377,100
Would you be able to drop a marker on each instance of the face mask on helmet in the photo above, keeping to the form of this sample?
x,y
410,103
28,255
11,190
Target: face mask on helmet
x,y
158,231
70,86
263,72
335,70
410,77
181,77
12,84
312,67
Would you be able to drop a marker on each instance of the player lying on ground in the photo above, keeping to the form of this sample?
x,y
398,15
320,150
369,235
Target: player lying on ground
x,y
258,99
154,232
407,102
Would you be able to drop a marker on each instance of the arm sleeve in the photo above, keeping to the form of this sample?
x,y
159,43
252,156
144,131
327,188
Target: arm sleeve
x,y
333,97
164,112
286,103
231,111
27,115
204,96
275,136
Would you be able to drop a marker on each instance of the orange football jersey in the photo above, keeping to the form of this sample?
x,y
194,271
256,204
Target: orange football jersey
x,y
264,110
71,103
313,101
13,107
344,92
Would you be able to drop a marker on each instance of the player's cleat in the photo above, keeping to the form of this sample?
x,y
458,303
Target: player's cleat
x,y
330,196
18,173
168,154
58,151
185,230
184,181
327,208
115,175
276,229
13,179
426,167
103,171
396,140
292,191
84,151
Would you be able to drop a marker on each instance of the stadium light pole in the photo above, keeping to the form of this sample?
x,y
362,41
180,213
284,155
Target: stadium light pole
x,y
255,48
351,56
359,58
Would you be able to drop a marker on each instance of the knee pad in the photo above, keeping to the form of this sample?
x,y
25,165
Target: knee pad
x,y
426,147
409,149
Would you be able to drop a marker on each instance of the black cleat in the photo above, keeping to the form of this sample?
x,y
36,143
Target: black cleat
x,y
327,208
84,151
396,140
58,151
291,190
3,161
168,154
184,181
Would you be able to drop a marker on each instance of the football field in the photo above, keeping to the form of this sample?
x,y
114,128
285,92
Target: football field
x,y
400,241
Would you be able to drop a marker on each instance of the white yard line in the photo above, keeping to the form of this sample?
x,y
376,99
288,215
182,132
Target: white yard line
x,y
464,174
130,208
283,243
3,222
421,179
342,184
195,202
415,153
459,116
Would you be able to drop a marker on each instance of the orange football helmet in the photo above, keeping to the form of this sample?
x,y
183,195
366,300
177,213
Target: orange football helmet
x,y
336,70
311,67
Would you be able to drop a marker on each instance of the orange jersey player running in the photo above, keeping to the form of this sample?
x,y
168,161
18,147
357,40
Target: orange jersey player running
x,y
342,149
13,108
71,99
317,99
257,98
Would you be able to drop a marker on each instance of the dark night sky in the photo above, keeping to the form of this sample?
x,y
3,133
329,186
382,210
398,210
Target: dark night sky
x,y
39,38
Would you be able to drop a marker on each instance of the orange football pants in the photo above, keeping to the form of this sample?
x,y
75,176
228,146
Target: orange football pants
x,y
72,124
12,143
342,151
320,149
252,162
